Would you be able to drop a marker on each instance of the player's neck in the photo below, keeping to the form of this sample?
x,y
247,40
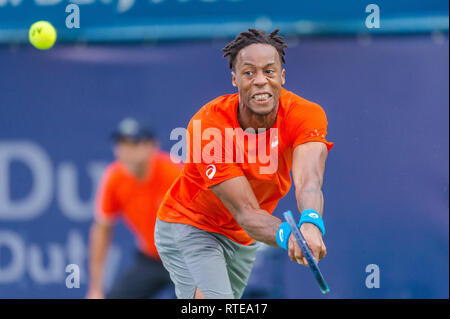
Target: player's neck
x,y
139,171
248,119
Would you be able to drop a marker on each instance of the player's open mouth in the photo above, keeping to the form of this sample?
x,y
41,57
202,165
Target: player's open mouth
x,y
262,97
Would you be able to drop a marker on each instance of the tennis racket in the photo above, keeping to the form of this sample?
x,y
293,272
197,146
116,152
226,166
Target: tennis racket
x,y
306,252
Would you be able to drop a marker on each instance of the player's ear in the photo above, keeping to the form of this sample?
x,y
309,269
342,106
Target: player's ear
x,y
283,79
233,79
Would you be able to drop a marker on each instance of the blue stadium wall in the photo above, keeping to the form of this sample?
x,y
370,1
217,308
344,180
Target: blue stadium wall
x,y
154,20
386,183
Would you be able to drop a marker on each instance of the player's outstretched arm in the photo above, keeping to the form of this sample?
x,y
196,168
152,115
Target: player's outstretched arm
x,y
99,241
237,195
308,166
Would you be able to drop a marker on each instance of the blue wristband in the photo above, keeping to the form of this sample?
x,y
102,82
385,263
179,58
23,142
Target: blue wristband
x,y
311,216
283,234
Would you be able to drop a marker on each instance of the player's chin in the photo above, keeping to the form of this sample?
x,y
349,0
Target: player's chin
x,y
262,109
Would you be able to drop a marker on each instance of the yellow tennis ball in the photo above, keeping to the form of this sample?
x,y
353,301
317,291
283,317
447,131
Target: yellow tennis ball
x,y
42,35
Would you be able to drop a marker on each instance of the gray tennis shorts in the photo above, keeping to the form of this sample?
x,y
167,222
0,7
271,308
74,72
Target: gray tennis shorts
x,y
218,266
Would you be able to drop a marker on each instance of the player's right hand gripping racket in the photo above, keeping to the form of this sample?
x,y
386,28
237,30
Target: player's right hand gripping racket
x,y
306,252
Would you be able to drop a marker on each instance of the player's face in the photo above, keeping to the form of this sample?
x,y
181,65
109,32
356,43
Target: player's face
x,y
258,74
134,154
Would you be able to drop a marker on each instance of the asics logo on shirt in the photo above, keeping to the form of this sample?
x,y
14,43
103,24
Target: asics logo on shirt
x,y
210,171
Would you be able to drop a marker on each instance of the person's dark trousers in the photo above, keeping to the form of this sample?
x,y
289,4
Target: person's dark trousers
x,y
142,280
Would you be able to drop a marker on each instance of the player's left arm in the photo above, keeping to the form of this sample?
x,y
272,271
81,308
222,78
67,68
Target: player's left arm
x,y
308,166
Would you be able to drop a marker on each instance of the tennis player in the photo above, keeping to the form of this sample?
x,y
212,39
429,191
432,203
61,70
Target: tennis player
x,y
132,188
210,221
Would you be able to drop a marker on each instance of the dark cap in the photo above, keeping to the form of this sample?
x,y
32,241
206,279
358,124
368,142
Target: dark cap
x,y
131,128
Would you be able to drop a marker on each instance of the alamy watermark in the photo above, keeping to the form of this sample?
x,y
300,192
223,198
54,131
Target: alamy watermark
x,y
73,19
227,145
73,278
373,279
373,19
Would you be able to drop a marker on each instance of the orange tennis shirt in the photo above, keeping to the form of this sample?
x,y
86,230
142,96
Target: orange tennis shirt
x,y
121,194
219,150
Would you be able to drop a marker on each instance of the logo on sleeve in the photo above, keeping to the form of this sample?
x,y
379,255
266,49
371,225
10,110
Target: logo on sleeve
x,y
281,235
313,215
210,171
275,142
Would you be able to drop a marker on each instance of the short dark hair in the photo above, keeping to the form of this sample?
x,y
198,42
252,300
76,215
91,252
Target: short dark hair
x,y
252,36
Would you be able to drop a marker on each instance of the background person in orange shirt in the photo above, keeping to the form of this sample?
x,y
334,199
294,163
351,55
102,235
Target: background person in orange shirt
x,y
132,188
220,206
